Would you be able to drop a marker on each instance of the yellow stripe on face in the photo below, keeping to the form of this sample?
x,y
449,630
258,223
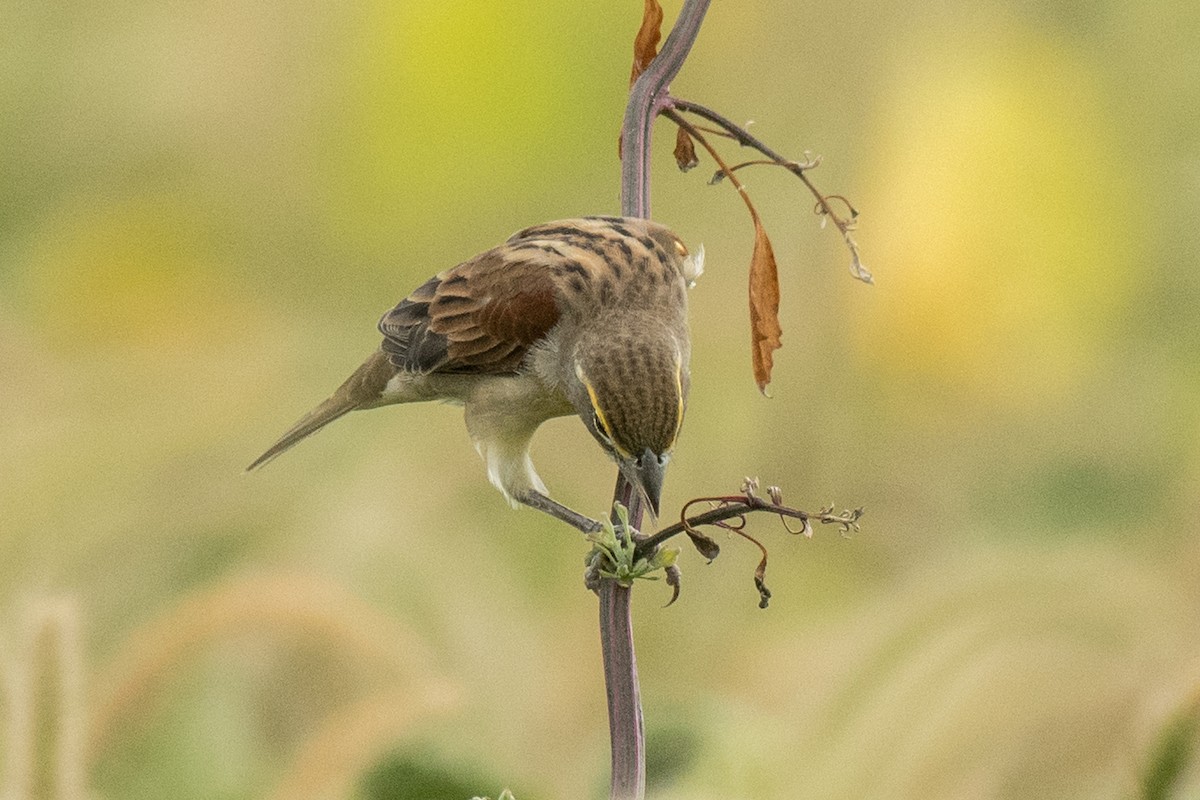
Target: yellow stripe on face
x,y
678,398
606,428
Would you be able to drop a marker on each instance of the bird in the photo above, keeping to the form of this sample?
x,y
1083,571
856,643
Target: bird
x,y
583,316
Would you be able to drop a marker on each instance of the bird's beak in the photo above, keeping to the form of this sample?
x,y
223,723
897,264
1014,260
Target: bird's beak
x,y
647,475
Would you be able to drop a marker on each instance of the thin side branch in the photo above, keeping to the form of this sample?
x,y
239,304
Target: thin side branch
x,y
824,207
730,514
725,169
747,139
735,506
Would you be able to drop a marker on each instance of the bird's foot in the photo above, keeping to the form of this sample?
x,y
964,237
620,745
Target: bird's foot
x,y
535,499
615,556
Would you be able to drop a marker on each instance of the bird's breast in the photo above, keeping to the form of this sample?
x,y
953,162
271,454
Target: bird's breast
x,y
504,406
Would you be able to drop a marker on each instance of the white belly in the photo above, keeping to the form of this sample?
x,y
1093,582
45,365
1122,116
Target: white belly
x,y
502,413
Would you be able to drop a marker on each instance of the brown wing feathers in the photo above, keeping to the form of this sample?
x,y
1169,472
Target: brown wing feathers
x,y
483,315
479,317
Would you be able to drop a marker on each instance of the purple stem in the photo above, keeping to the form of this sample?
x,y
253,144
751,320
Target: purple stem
x,y
625,726
647,98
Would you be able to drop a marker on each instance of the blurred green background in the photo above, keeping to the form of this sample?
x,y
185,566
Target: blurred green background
x,y
205,207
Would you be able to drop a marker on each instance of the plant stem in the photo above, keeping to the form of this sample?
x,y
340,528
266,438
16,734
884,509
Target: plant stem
x,y
624,697
647,98
747,139
625,726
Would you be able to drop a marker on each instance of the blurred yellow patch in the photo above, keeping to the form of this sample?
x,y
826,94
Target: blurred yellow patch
x,y
442,99
134,272
1001,215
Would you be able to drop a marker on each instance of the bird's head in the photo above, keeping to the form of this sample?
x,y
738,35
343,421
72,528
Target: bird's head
x,y
631,394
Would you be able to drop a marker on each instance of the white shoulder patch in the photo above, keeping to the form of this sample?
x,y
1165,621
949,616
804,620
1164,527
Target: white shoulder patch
x,y
693,266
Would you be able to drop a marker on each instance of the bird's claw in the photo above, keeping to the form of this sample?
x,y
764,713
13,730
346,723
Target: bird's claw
x,y
615,556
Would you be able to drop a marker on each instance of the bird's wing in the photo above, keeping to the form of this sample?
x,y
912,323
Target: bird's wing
x,y
478,317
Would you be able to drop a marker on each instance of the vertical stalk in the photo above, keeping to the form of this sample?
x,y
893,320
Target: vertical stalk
x,y
625,726
647,98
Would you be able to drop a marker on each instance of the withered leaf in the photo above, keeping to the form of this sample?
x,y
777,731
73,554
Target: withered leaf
x,y
685,150
645,44
765,331
704,545
673,580
764,594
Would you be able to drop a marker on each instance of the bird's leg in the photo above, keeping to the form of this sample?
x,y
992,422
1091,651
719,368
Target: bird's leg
x,y
535,499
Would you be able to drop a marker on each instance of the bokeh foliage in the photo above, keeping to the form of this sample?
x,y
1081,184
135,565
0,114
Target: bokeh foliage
x,y
205,208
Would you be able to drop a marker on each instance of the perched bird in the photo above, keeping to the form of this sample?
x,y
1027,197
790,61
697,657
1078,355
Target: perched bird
x,y
581,316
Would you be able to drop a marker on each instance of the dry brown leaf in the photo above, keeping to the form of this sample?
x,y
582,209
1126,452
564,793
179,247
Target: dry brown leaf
x,y
765,331
685,150
764,306
703,544
645,44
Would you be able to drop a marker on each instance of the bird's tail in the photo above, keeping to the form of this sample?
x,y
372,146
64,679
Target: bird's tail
x,y
361,390
312,422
